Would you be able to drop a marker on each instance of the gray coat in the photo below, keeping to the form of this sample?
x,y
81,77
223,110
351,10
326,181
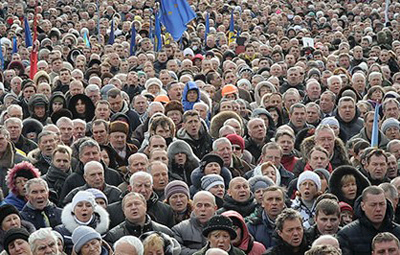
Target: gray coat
x,y
189,235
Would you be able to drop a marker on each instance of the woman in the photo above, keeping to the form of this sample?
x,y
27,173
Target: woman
x,y
268,169
57,102
220,232
159,243
177,196
81,107
214,183
347,183
89,242
82,211
10,218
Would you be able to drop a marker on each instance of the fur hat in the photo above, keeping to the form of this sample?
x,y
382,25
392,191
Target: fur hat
x,y
119,126
219,119
23,169
153,81
179,146
211,157
220,222
173,106
82,235
260,181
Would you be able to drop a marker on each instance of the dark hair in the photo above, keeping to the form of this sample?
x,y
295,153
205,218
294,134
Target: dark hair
x,y
328,207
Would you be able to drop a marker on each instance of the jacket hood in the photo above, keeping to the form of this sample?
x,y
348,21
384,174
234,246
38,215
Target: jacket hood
x,y
191,85
39,75
180,146
57,94
336,176
218,121
36,99
257,172
23,166
246,237
68,220
257,92
308,143
90,108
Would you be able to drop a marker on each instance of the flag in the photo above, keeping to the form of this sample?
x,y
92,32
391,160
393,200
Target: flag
x,y
167,38
86,39
151,33
157,32
98,21
375,128
1,57
112,37
207,27
133,41
28,36
15,45
33,60
387,3
175,15
231,37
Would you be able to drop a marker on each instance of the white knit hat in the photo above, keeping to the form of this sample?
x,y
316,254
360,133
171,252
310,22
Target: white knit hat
x,y
309,175
83,196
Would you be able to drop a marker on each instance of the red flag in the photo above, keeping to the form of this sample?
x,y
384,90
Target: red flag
x,y
35,47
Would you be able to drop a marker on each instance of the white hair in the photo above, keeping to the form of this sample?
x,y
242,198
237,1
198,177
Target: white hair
x,y
13,120
220,141
133,241
92,164
138,175
78,121
41,234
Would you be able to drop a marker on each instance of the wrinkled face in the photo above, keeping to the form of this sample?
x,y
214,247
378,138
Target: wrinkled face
x,y
178,202
118,140
94,177
66,130
273,203
83,211
46,246
204,208
157,143
374,208
377,167
326,139
212,168
239,190
160,176
125,249
19,247
273,155
327,224
138,163
391,110
143,186
134,209
390,248
292,232
318,159
15,130
257,130
220,239
47,144
191,96
92,247
11,221
224,150
39,111
89,154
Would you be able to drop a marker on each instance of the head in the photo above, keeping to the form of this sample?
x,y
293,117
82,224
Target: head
x,y
86,241
289,227
385,243
94,175
327,216
43,242
37,193
239,189
128,245
204,206
142,183
273,201
134,206
374,205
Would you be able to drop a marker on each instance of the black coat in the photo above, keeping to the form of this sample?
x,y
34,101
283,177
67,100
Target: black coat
x,y
26,145
112,193
244,208
283,248
35,217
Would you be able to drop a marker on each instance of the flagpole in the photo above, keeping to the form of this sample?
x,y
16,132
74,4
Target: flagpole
x,y
34,53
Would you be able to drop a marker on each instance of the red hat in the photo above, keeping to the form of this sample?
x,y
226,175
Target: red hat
x,y
236,139
345,207
229,89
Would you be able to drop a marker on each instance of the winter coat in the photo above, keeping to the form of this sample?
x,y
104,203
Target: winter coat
x,y
37,159
189,234
255,148
35,216
335,186
54,95
239,167
55,178
382,139
356,237
200,146
306,213
352,127
190,86
100,222
157,210
127,228
244,208
35,99
262,229
134,119
24,144
283,248
112,193
248,244
198,173
24,224
289,161
232,251
17,201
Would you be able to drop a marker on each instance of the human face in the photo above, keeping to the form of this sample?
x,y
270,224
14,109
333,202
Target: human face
x,y
347,111
19,247
89,154
143,186
312,114
93,247
224,150
15,130
11,221
28,92
39,110
83,211
387,248
102,111
377,167
326,103
125,249
327,224
62,161
157,143
191,96
160,176
270,172
15,112
218,190
154,251
212,168
118,140
318,159
116,103
257,130
273,203
67,131
326,140
192,126
46,246
175,93
391,110
392,133
138,163
239,190
298,117
94,177
308,190
204,208
392,167
135,209
154,89
273,155
292,232
100,134
180,158
178,202
47,144
286,143
79,130
163,131
57,106
220,239
374,208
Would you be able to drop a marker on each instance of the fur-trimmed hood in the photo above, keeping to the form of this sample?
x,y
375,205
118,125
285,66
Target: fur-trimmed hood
x,y
25,165
308,143
334,182
180,146
101,223
40,74
218,120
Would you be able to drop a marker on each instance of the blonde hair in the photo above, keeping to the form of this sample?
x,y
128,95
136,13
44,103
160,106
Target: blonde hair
x,y
347,178
153,241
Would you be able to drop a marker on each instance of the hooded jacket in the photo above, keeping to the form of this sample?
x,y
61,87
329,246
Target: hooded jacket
x,y
382,139
356,237
134,118
352,127
54,95
283,248
24,224
262,228
34,100
191,85
244,208
248,244
37,159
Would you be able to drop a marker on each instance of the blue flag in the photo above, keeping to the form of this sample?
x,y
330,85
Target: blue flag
x,y
112,37
157,32
28,36
86,40
1,57
151,33
175,15
375,128
15,45
133,41
207,27
231,36
98,21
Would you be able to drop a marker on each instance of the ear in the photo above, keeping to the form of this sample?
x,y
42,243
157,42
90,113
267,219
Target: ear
x,y
362,206
229,192
130,188
279,233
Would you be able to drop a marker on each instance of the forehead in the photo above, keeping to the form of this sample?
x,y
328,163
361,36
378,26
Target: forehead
x,y
239,182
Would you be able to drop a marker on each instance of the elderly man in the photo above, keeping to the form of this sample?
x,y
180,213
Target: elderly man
x,y
41,157
14,127
66,127
159,173
128,245
327,103
239,197
391,108
257,137
94,178
153,108
137,221
136,162
375,217
39,210
118,135
297,118
44,242
142,182
391,128
348,116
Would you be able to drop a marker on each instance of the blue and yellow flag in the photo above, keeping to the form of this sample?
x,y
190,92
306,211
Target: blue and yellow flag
x,y
207,27
112,37
15,45
86,39
231,37
157,32
27,31
1,57
375,128
133,41
175,15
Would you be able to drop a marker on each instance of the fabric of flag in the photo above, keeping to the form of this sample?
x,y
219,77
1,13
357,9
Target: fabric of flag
x,y
157,32
1,57
86,40
231,37
15,45
207,27
151,32
133,41
112,36
98,21
33,61
375,128
167,38
28,36
175,15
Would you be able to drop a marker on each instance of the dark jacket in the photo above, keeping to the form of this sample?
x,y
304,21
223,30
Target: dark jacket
x,y
134,119
239,167
356,238
35,216
130,149
127,228
262,229
352,127
198,173
382,139
24,224
7,161
200,146
55,179
244,208
232,251
26,145
17,201
255,148
112,193
37,159
157,210
284,248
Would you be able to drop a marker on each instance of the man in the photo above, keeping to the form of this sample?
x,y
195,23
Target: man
x,y
290,233
313,91
294,80
385,243
375,217
102,110
189,232
359,83
297,117
94,178
100,130
14,127
39,210
159,173
391,108
136,162
376,167
392,166
156,142
394,148
223,147
257,137
118,135
175,90
66,127
79,129
140,105
137,221
93,92
348,116
41,157
16,242
327,103
138,134
142,182
128,245
195,133
239,197
391,128
262,225
313,114
286,141
44,242
327,219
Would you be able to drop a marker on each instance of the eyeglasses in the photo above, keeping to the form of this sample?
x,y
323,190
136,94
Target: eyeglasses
x,y
236,148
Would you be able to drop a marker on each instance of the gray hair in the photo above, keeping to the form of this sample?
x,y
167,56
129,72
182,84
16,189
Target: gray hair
x,y
92,88
13,120
33,181
132,241
330,79
322,239
14,106
220,141
202,104
392,142
45,133
64,120
138,175
216,251
40,234
92,164
79,121
4,132
390,189
206,194
89,143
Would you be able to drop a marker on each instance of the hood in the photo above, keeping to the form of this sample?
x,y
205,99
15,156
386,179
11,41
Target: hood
x,y
218,121
25,165
246,237
308,143
40,74
257,172
90,108
180,146
360,215
190,86
257,92
57,94
35,99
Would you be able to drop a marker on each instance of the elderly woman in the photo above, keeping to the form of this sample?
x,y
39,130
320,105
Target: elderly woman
x,y
220,232
177,196
159,243
82,211
89,242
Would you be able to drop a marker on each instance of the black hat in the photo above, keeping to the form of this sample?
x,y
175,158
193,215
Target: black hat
x,y
6,210
220,222
211,157
55,116
13,234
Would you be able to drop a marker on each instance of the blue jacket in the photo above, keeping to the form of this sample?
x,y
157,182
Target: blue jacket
x,y
262,229
36,218
12,199
191,85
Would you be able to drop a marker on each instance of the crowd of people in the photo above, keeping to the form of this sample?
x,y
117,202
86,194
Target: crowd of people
x,y
270,127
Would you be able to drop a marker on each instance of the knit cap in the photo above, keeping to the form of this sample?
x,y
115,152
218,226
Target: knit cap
x,y
260,182
309,175
211,180
6,210
330,121
82,235
236,139
83,196
345,207
176,187
98,194
388,123
14,234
